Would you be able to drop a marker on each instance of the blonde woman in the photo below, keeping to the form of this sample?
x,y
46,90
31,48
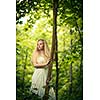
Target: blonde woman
x,y
40,60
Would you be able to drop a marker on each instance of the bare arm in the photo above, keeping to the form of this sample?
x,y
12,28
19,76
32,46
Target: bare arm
x,y
36,64
41,65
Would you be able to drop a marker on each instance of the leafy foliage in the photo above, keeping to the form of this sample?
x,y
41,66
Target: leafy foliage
x,y
38,24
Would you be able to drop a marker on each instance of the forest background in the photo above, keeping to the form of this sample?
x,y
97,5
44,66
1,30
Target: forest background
x,y
34,20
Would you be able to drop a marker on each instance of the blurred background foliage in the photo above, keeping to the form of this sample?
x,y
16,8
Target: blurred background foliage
x,y
34,20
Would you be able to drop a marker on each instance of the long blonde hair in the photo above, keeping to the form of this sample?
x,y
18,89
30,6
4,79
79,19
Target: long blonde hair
x,y
46,49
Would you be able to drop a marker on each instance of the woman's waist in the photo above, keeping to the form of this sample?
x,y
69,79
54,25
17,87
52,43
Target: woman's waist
x,y
42,68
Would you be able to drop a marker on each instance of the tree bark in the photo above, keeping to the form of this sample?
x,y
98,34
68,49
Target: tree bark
x,y
70,88
25,63
53,49
56,47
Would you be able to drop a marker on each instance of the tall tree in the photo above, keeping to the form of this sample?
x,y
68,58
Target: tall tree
x,y
70,70
54,50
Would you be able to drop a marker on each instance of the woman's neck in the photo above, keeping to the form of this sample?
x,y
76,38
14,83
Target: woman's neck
x,y
41,52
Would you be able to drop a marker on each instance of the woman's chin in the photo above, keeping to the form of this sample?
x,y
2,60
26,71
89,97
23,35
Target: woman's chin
x,y
39,49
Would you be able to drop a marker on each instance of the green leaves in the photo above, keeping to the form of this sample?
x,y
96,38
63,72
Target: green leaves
x,y
35,21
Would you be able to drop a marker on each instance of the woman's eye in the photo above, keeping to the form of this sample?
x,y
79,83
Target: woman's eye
x,y
40,43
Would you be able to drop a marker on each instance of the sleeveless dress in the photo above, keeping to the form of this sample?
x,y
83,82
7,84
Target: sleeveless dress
x,y
39,80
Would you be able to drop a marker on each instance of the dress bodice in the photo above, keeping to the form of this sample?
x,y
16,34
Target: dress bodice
x,y
41,59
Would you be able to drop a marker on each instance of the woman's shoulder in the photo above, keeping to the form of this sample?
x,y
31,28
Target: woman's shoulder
x,y
35,53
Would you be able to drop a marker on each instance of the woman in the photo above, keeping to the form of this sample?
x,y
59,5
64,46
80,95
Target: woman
x,y
40,60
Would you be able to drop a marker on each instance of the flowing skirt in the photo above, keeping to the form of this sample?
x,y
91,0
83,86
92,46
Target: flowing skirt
x,y
39,82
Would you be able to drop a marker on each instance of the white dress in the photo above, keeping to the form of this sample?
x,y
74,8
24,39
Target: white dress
x,y
39,80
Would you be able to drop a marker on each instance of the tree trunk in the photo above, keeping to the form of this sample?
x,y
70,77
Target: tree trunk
x,y
53,49
81,54
23,87
70,88
56,43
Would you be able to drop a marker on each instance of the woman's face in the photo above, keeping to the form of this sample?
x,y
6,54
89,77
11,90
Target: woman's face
x,y
40,45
